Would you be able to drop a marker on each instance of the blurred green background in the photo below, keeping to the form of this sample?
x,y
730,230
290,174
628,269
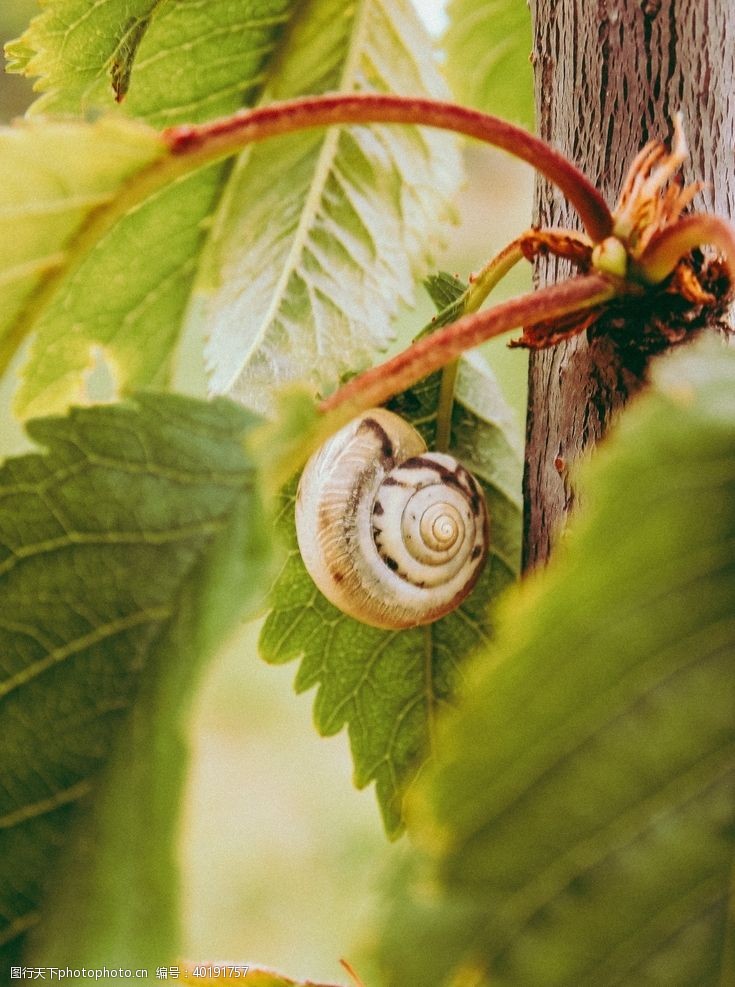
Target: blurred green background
x,y
283,860
15,92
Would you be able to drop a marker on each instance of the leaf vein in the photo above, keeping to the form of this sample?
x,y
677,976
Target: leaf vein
x,y
152,615
47,805
19,927
76,538
218,32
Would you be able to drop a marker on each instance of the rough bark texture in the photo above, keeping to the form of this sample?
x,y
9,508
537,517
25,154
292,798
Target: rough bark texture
x,y
610,74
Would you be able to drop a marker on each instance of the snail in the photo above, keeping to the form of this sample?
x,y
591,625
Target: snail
x,y
391,534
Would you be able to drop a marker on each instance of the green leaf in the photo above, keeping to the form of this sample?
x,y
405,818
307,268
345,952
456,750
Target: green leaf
x,y
444,289
387,686
178,62
52,178
129,547
293,283
581,809
488,45
449,295
120,302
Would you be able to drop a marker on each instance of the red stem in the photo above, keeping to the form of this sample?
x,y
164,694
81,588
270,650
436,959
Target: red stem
x,y
664,252
219,138
430,353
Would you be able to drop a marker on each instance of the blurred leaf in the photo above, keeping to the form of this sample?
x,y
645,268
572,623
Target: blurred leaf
x,y
75,48
293,284
52,178
581,808
387,686
281,446
129,548
488,45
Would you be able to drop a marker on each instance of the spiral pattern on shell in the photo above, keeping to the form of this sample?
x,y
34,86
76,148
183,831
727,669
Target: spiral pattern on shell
x,y
391,534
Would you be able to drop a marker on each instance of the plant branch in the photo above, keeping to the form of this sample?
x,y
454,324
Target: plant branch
x,y
445,407
481,284
668,247
431,353
220,138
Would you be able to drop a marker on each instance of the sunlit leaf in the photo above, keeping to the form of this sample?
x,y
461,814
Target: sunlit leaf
x,y
52,178
126,299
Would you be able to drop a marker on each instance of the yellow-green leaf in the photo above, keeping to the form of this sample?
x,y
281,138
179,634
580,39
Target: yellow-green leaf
x,y
52,179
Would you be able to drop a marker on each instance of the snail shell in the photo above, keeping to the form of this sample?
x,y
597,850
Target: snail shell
x,y
392,535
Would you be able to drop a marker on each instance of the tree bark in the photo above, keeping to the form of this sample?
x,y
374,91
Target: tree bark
x,y
610,75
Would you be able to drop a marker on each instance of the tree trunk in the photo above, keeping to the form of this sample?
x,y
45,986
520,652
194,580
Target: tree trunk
x,y
610,75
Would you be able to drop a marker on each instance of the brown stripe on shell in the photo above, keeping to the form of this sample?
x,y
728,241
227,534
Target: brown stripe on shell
x,y
460,478
391,481
386,445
